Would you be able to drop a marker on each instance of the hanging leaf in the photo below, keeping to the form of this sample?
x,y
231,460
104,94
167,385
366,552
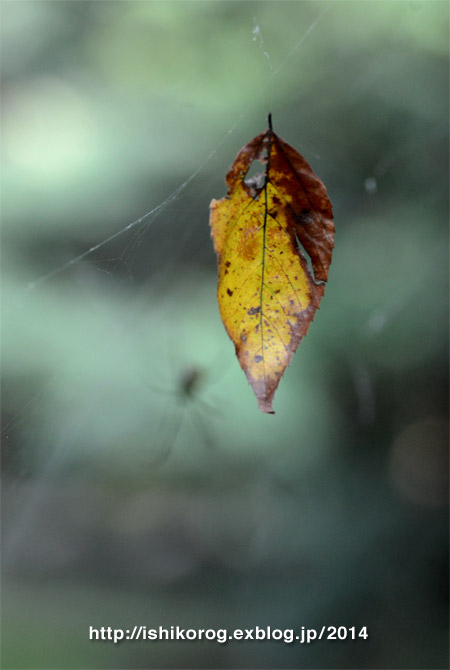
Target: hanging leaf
x,y
273,234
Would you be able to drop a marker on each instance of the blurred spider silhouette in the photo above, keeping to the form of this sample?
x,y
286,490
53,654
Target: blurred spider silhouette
x,y
183,403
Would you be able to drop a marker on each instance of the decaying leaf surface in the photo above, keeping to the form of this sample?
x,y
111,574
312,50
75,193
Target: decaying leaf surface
x,y
264,231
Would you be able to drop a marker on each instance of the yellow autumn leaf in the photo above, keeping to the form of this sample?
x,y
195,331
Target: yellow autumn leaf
x,y
264,232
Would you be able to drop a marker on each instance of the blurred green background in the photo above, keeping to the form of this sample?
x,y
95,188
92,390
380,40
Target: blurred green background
x,y
127,501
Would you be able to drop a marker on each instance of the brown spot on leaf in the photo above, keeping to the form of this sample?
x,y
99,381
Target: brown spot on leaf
x,y
305,217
